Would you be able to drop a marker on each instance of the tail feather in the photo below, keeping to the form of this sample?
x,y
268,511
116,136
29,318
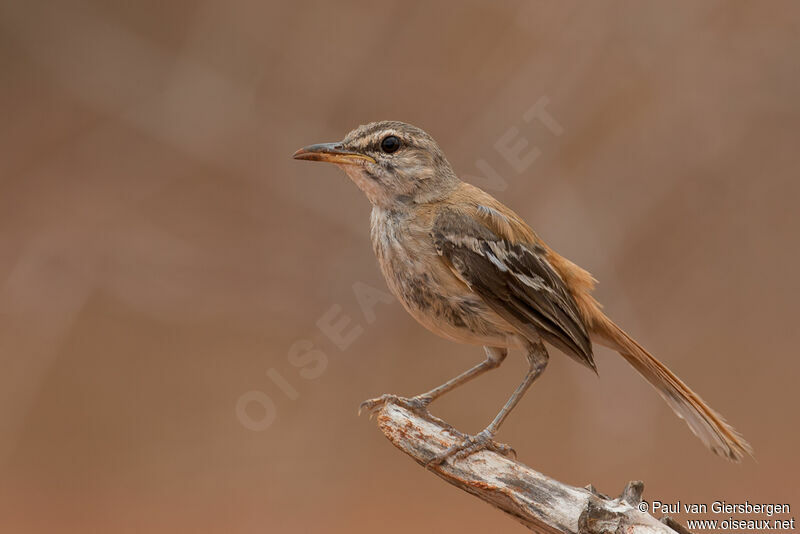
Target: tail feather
x,y
706,424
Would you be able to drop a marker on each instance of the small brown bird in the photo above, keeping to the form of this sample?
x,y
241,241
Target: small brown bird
x,y
469,269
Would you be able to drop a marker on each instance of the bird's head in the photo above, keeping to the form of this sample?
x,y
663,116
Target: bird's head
x,y
394,163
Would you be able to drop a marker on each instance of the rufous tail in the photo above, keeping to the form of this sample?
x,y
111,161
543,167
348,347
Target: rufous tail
x,y
706,424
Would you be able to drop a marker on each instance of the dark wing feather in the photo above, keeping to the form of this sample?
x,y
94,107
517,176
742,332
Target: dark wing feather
x,y
515,280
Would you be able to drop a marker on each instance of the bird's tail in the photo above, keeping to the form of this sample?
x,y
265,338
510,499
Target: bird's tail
x,y
706,424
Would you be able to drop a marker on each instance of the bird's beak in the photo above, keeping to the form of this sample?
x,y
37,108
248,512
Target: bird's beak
x,y
332,153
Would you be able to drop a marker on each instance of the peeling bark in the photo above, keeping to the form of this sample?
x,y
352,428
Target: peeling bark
x,y
535,500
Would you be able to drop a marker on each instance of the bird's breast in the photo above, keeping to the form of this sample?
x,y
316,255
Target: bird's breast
x,y
425,285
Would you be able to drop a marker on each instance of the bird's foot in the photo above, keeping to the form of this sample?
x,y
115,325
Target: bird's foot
x,y
484,440
418,404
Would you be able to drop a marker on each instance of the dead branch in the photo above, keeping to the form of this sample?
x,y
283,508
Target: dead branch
x,y
538,502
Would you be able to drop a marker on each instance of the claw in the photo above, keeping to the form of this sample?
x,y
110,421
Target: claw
x,y
418,405
470,445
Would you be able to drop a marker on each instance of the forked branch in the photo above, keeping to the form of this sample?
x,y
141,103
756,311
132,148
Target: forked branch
x,y
538,502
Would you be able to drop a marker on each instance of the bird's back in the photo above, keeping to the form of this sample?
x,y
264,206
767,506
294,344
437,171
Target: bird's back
x,y
510,226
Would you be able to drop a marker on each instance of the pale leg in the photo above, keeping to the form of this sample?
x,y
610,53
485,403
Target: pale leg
x,y
419,404
537,360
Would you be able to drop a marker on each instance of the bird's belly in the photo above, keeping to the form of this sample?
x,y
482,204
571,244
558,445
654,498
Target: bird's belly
x,y
439,301
451,322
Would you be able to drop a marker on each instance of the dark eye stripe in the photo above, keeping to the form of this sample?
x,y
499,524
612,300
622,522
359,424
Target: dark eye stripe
x,y
370,143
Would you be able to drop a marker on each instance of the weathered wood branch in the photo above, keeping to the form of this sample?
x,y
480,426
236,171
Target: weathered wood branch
x,y
538,502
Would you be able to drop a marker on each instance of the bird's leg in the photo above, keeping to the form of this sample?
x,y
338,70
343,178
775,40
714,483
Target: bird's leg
x,y
537,359
419,404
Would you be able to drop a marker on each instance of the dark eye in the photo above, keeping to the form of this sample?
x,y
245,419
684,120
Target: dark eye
x,y
390,144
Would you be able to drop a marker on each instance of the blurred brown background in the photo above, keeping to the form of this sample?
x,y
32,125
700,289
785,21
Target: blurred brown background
x,y
161,253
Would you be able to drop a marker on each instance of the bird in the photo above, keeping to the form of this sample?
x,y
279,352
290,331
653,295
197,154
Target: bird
x,y
471,270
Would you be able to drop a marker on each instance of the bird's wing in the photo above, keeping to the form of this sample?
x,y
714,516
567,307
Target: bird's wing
x,y
515,279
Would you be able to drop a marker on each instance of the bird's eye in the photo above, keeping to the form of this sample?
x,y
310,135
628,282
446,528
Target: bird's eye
x,y
390,144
